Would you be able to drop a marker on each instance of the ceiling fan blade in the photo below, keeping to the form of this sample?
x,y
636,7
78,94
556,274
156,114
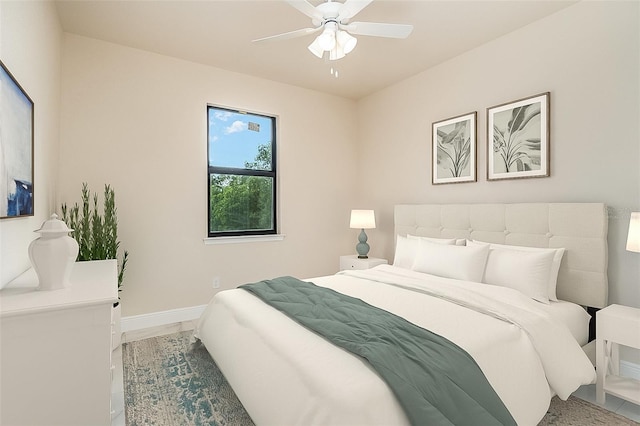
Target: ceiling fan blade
x,y
307,8
290,34
379,29
351,8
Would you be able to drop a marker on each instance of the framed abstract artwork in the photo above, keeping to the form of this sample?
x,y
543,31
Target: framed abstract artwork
x,y
16,148
518,139
454,150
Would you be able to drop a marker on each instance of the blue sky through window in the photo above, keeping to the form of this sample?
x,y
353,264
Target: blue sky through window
x,y
234,138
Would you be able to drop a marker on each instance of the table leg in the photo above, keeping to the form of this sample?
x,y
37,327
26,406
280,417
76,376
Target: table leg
x,y
614,360
601,369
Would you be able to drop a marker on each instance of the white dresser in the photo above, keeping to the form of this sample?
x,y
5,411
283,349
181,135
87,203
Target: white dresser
x,y
55,356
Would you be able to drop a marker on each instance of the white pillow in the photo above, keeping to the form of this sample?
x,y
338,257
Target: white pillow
x,y
525,271
447,241
555,265
406,250
407,247
451,261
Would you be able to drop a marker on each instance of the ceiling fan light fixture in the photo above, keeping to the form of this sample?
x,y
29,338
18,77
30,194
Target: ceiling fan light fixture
x,y
333,18
346,41
316,49
336,53
327,40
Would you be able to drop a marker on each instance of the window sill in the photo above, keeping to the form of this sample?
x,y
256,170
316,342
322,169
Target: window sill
x,y
243,239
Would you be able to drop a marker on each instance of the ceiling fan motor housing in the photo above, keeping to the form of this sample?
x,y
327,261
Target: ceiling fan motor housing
x,y
330,12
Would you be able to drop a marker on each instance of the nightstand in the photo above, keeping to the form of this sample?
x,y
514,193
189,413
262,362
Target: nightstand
x,y
353,262
616,325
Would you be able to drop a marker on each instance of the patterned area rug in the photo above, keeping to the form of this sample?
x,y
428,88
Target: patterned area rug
x,y
168,381
578,412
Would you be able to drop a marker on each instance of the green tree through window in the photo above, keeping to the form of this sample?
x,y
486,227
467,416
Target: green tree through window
x,y
242,173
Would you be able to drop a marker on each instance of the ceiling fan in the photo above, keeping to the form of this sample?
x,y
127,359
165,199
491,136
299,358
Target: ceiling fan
x,y
333,19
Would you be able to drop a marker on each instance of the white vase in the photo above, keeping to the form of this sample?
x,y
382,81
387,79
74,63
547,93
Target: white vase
x,y
53,254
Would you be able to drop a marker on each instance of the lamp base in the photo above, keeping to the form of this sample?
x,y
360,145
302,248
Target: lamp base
x,y
362,247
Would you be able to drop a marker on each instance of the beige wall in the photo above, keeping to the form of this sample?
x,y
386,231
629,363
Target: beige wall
x,y
587,56
30,46
137,121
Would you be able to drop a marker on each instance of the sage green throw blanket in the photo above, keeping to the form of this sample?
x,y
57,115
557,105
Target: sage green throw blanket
x,y
434,380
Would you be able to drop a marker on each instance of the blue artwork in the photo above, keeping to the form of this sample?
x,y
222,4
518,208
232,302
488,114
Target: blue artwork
x,y
16,148
20,201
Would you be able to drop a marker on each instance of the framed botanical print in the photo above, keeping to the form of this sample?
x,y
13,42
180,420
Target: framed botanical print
x,y
518,139
454,150
16,148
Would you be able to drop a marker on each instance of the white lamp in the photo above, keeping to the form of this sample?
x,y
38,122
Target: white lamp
x,y
633,239
362,219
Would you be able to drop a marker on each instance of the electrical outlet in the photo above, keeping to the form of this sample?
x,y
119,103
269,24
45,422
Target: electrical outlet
x,y
216,282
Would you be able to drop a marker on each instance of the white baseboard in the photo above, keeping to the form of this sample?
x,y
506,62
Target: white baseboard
x,y
155,319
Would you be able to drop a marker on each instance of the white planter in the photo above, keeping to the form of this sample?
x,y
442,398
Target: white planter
x,y
116,328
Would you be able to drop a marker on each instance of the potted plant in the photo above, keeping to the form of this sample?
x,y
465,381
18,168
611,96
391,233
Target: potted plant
x,y
97,235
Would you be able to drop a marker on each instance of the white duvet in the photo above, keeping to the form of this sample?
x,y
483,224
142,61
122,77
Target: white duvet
x,y
287,375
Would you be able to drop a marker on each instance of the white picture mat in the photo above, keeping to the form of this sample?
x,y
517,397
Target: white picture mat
x,y
543,126
470,170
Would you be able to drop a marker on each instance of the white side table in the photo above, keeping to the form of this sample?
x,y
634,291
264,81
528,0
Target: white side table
x,y
616,325
353,262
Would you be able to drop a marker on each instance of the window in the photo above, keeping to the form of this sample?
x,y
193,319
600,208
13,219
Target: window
x,y
242,173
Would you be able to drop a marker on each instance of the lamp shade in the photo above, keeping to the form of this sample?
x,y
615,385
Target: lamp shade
x,y
633,239
346,41
336,53
316,49
327,40
362,219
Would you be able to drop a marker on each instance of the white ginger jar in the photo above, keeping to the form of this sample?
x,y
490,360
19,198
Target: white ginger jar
x,y
53,254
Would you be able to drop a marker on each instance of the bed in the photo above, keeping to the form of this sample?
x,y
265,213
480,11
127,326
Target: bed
x,y
528,349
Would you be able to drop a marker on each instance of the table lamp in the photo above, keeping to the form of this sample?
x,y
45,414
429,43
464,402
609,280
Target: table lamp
x,y
362,219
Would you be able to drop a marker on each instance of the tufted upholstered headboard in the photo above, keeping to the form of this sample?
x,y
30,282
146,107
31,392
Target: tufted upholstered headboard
x,y
581,228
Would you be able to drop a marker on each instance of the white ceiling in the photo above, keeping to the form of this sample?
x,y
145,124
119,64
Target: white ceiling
x,y
219,33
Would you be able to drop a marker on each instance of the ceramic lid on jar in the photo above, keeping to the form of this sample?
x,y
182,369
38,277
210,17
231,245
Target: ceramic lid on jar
x,y
53,225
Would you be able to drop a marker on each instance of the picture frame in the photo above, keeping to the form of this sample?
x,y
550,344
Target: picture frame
x,y
16,148
454,145
518,139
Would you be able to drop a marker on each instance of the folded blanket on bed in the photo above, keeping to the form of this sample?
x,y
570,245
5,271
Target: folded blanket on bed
x,y
436,382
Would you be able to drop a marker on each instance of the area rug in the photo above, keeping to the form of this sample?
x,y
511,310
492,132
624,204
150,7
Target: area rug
x,y
170,381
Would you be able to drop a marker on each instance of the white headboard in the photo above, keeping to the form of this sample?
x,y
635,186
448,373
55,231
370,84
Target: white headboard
x,y
581,228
